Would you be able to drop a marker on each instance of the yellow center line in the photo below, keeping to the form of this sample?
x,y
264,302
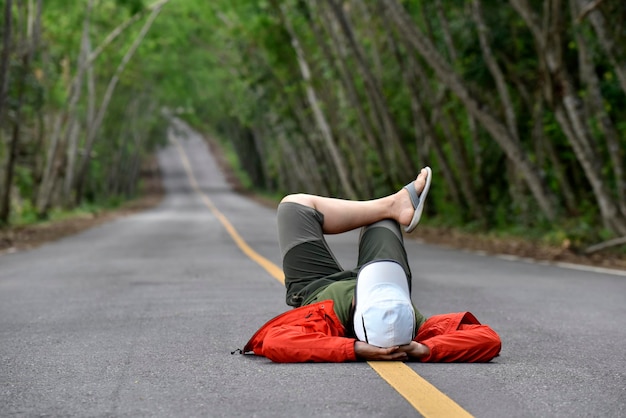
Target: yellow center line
x,y
424,397
270,267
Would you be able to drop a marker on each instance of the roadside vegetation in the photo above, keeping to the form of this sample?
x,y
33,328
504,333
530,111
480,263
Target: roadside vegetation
x,y
518,106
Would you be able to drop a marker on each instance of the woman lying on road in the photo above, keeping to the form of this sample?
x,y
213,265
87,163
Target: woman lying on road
x,y
365,313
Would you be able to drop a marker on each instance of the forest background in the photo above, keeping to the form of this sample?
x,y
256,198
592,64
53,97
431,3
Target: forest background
x,y
518,105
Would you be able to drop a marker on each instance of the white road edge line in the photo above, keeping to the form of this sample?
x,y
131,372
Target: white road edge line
x,y
561,264
510,257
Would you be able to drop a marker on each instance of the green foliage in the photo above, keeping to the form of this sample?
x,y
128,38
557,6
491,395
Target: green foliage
x,y
24,213
133,6
24,181
234,162
230,68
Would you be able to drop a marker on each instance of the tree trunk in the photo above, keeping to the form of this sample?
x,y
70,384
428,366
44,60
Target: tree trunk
x,y
430,136
545,146
300,170
466,175
447,36
72,147
412,73
395,146
92,130
596,105
498,131
133,159
50,172
5,185
7,31
517,191
27,46
566,107
610,47
368,27
320,119
607,206
333,56
494,69
73,138
371,124
5,203
94,54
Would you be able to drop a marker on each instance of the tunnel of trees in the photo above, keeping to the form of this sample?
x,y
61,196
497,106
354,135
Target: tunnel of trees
x,y
517,105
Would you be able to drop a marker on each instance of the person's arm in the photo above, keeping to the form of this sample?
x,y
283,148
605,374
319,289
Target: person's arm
x,y
290,344
469,343
458,337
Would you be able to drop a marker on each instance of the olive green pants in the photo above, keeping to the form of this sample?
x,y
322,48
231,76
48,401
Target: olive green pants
x,y
309,263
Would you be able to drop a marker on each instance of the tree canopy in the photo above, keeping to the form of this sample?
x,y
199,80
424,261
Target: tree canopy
x,y
518,106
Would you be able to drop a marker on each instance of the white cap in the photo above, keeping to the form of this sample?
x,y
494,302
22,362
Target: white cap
x,y
384,315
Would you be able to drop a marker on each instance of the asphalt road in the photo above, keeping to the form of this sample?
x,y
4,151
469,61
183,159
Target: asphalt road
x,y
138,317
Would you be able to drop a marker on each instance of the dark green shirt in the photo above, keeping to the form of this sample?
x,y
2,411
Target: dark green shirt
x,y
342,293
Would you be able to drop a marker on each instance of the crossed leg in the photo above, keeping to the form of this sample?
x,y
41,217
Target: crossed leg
x,y
304,219
345,215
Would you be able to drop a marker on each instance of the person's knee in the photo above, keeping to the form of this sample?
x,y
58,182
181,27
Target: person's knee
x,y
389,224
300,198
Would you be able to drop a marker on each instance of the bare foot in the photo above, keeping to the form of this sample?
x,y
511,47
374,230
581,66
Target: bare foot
x,y
403,208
